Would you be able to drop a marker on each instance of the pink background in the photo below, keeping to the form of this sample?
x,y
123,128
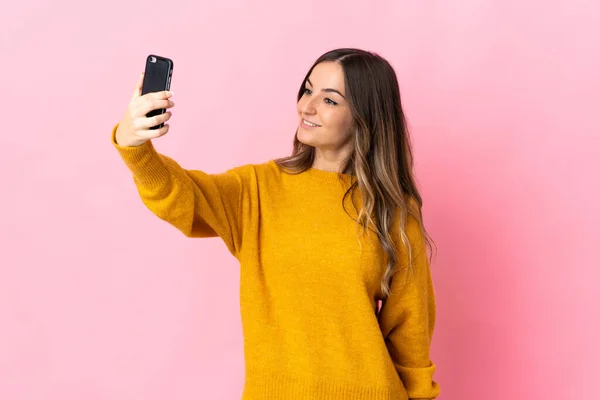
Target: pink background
x,y
99,299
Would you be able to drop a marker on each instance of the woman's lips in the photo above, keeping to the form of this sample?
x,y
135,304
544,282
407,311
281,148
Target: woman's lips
x,y
309,125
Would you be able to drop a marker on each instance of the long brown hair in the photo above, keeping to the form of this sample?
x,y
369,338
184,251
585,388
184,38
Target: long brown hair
x,y
381,158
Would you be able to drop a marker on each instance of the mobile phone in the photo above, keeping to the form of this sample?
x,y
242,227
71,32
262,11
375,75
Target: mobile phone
x,y
157,78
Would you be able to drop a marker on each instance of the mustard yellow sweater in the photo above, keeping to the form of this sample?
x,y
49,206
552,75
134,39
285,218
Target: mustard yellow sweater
x,y
308,294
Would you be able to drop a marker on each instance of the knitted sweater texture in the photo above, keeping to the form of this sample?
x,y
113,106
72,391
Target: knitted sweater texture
x,y
308,288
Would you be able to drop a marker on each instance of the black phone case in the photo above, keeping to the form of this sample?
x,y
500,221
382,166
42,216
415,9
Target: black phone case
x,y
157,77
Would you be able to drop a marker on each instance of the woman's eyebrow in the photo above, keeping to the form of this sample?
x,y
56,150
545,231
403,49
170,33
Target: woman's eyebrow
x,y
326,89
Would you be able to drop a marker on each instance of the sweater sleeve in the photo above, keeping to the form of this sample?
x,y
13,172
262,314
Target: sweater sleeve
x,y
196,203
407,320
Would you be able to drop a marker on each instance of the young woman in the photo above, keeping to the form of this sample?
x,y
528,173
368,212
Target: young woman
x,y
337,299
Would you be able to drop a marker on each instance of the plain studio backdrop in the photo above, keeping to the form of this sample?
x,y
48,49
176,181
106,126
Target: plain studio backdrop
x,y
99,299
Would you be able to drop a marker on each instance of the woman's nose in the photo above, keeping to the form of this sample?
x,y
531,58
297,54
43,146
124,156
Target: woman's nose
x,y
309,106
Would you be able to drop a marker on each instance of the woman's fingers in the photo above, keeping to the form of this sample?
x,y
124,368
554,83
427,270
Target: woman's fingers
x,y
153,133
150,105
145,123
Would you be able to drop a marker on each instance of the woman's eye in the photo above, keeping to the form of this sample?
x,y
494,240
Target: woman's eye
x,y
327,100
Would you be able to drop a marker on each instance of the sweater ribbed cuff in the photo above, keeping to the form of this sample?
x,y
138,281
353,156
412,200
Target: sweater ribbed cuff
x,y
419,382
143,161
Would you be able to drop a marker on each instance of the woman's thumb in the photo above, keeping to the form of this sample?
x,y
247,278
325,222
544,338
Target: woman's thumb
x,y
137,91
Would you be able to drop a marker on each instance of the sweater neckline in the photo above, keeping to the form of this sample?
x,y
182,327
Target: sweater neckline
x,y
326,176
330,176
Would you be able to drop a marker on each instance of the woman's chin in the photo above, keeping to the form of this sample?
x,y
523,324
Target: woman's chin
x,y
305,137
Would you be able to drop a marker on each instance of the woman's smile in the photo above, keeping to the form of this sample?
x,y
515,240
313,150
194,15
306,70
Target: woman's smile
x,y
308,124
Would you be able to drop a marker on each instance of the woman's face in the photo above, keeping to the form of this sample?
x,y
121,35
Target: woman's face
x,y
324,104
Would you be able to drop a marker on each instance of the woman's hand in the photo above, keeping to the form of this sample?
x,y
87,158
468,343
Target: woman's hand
x,y
134,128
